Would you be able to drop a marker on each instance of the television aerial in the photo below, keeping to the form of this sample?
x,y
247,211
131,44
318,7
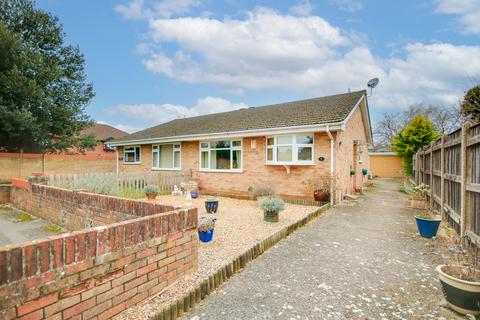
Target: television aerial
x,y
372,84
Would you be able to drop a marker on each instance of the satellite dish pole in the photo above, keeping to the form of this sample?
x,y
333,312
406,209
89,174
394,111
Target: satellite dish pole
x,y
372,84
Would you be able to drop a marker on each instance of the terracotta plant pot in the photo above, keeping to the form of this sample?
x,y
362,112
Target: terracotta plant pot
x,y
270,216
461,295
151,196
321,195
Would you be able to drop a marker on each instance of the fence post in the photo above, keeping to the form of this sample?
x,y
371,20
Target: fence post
x,y
442,179
463,181
431,174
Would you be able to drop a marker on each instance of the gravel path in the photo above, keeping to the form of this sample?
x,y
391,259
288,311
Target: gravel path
x,y
363,261
239,226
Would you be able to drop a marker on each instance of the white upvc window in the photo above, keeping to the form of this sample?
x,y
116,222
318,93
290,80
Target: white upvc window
x,y
166,156
294,149
221,155
131,155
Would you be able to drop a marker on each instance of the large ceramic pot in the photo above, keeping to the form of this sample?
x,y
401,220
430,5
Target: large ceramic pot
x,y
205,236
321,195
211,205
270,216
428,227
461,295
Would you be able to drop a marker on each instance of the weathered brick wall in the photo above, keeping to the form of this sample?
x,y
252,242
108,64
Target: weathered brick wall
x,y
5,193
96,273
76,210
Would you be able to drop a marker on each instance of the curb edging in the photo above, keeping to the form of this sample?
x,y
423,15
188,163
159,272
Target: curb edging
x,y
213,281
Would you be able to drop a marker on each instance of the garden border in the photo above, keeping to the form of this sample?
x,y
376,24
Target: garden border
x,y
216,279
302,202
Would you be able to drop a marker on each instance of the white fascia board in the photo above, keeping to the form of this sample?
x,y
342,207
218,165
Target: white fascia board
x,y
337,126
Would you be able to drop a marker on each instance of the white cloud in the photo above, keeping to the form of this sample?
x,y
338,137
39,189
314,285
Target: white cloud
x,y
149,9
146,115
347,5
468,12
303,8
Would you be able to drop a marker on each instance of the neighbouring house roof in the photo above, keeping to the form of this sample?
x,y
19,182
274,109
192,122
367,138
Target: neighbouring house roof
x,y
316,111
104,132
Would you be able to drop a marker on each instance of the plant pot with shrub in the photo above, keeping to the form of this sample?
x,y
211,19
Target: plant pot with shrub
x,y
262,192
320,187
418,195
206,226
271,208
427,224
151,191
461,288
352,172
364,171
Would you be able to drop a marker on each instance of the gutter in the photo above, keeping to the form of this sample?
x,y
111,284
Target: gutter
x,y
332,167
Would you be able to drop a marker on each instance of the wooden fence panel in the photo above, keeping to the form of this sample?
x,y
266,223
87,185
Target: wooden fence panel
x,y
451,167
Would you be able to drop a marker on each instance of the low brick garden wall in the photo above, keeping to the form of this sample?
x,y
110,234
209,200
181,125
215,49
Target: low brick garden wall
x,y
76,209
5,193
95,272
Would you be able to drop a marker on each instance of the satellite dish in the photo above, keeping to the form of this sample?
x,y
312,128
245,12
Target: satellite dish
x,y
372,84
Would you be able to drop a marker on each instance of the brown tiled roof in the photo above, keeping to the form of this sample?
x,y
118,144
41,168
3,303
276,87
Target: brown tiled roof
x,y
322,110
104,132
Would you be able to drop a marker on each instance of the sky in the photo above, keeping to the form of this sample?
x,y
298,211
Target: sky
x,y
155,61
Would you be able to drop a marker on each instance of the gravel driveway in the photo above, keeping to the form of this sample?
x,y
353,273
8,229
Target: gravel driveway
x,y
361,261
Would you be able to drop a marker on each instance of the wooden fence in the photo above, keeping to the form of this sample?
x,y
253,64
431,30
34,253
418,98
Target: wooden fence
x,y
129,183
451,167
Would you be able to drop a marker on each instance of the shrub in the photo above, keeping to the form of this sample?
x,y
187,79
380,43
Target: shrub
x,y
206,223
151,188
272,205
264,191
101,184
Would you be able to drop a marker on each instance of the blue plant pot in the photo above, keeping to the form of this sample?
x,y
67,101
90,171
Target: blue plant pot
x,y
194,194
205,236
211,205
427,228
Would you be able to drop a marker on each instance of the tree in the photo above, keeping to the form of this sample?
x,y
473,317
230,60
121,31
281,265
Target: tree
x,y
445,120
418,133
43,89
471,103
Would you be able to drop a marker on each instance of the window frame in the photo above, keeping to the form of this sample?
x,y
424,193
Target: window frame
x,y
179,150
294,146
209,149
134,155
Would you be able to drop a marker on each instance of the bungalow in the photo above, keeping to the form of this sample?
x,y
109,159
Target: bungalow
x,y
286,146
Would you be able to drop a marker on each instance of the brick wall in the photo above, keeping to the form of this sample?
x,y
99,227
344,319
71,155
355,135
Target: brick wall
x,y
75,209
5,193
98,272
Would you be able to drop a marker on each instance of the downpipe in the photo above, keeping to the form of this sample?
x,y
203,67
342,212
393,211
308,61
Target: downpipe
x,y
332,142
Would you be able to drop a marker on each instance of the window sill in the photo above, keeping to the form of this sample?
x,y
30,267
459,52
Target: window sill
x,y
166,169
289,164
222,171
132,163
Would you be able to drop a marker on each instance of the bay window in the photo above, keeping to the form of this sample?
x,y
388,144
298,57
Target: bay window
x,y
221,155
290,149
131,155
166,156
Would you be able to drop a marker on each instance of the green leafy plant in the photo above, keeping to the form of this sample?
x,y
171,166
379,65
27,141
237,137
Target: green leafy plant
x,y
272,205
250,189
418,133
416,189
206,223
23,217
151,189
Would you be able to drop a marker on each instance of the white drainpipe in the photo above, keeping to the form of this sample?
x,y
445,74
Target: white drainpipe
x,y
116,157
332,142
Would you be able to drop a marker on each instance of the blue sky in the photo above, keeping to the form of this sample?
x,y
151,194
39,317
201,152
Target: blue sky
x,y
154,61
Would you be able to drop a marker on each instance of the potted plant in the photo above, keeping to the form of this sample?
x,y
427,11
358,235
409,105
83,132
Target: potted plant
x,y
320,187
364,171
271,207
151,191
251,194
211,205
352,172
418,195
427,224
461,283
194,194
206,226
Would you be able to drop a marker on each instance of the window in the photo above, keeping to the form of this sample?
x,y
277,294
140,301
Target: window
x,y
221,155
131,154
291,149
166,156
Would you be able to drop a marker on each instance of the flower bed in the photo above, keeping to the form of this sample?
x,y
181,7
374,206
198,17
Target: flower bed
x,y
239,227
